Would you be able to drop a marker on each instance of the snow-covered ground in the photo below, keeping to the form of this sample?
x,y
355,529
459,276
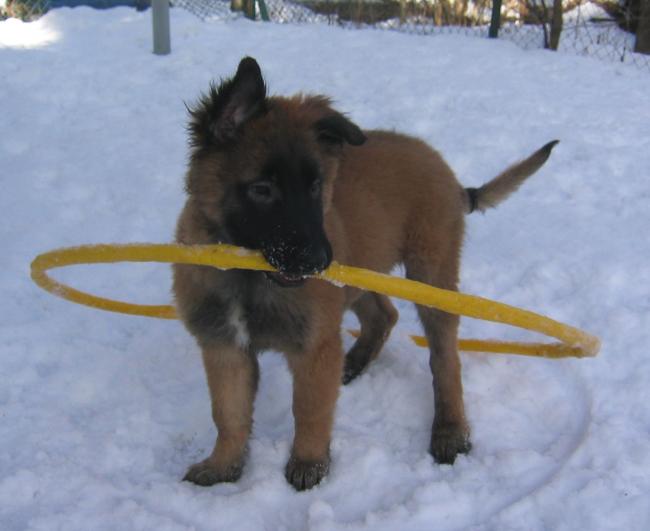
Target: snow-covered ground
x,y
101,413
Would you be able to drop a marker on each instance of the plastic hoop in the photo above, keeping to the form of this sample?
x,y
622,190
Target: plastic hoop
x,y
574,342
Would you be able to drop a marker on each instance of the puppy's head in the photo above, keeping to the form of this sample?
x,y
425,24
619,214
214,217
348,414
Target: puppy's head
x,y
262,170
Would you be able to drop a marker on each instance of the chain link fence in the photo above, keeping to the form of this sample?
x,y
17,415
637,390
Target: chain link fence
x,y
604,29
29,10
23,10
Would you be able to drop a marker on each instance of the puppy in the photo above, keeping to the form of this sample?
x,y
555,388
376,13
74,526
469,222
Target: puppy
x,y
298,181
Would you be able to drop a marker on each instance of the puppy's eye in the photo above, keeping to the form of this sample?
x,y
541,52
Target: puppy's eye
x,y
315,188
262,192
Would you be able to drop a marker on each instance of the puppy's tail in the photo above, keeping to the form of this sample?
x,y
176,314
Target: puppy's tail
x,y
498,189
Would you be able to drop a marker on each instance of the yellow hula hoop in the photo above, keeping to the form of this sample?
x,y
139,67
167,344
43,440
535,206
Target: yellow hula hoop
x,y
573,342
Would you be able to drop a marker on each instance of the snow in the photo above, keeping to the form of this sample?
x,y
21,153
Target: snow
x,y
17,34
101,413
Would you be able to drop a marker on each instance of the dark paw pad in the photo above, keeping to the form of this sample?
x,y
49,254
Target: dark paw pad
x,y
304,475
354,365
449,441
206,473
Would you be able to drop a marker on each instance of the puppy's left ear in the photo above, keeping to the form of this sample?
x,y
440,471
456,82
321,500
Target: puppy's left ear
x,y
336,129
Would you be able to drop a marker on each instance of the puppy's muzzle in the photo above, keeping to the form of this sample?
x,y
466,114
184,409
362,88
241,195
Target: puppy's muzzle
x,y
295,262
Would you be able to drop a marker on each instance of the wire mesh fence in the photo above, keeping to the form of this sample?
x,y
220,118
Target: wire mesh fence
x,y
24,10
604,29
29,10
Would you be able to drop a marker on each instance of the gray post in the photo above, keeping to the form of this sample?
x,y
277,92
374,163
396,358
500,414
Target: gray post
x,y
160,18
496,19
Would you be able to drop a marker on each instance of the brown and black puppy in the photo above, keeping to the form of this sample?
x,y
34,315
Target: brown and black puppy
x,y
298,181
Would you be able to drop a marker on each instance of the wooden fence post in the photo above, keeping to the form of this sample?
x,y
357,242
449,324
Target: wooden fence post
x,y
249,9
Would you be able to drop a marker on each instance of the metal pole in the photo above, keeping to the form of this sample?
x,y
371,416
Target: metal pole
x,y
496,19
160,18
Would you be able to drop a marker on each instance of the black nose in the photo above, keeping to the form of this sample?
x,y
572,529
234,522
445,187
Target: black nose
x,y
299,260
319,259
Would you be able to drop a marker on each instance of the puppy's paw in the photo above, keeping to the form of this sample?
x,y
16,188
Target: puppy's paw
x,y
303,475
353,368
447,441
206,473
356,360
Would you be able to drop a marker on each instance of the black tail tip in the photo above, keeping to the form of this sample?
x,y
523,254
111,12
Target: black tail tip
x,y
549,147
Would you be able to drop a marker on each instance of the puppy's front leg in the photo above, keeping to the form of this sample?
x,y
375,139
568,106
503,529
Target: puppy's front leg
x,y
316,380
232,379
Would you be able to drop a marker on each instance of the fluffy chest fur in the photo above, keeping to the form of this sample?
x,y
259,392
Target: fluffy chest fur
x,y
245,308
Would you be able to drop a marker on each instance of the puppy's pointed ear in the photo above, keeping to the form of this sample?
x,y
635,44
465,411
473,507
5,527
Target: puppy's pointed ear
x,y
220,114
336,129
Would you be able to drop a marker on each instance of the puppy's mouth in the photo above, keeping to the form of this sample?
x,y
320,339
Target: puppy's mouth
x,y
285,280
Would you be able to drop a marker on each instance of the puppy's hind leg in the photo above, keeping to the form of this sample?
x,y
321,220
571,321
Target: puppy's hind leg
x,y
377,317
450,433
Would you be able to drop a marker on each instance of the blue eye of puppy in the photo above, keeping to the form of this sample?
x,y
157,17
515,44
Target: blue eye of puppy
x,y
261,192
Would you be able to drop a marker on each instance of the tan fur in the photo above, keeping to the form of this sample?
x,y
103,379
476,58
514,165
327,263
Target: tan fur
x,y
232,380
498,189
390,201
